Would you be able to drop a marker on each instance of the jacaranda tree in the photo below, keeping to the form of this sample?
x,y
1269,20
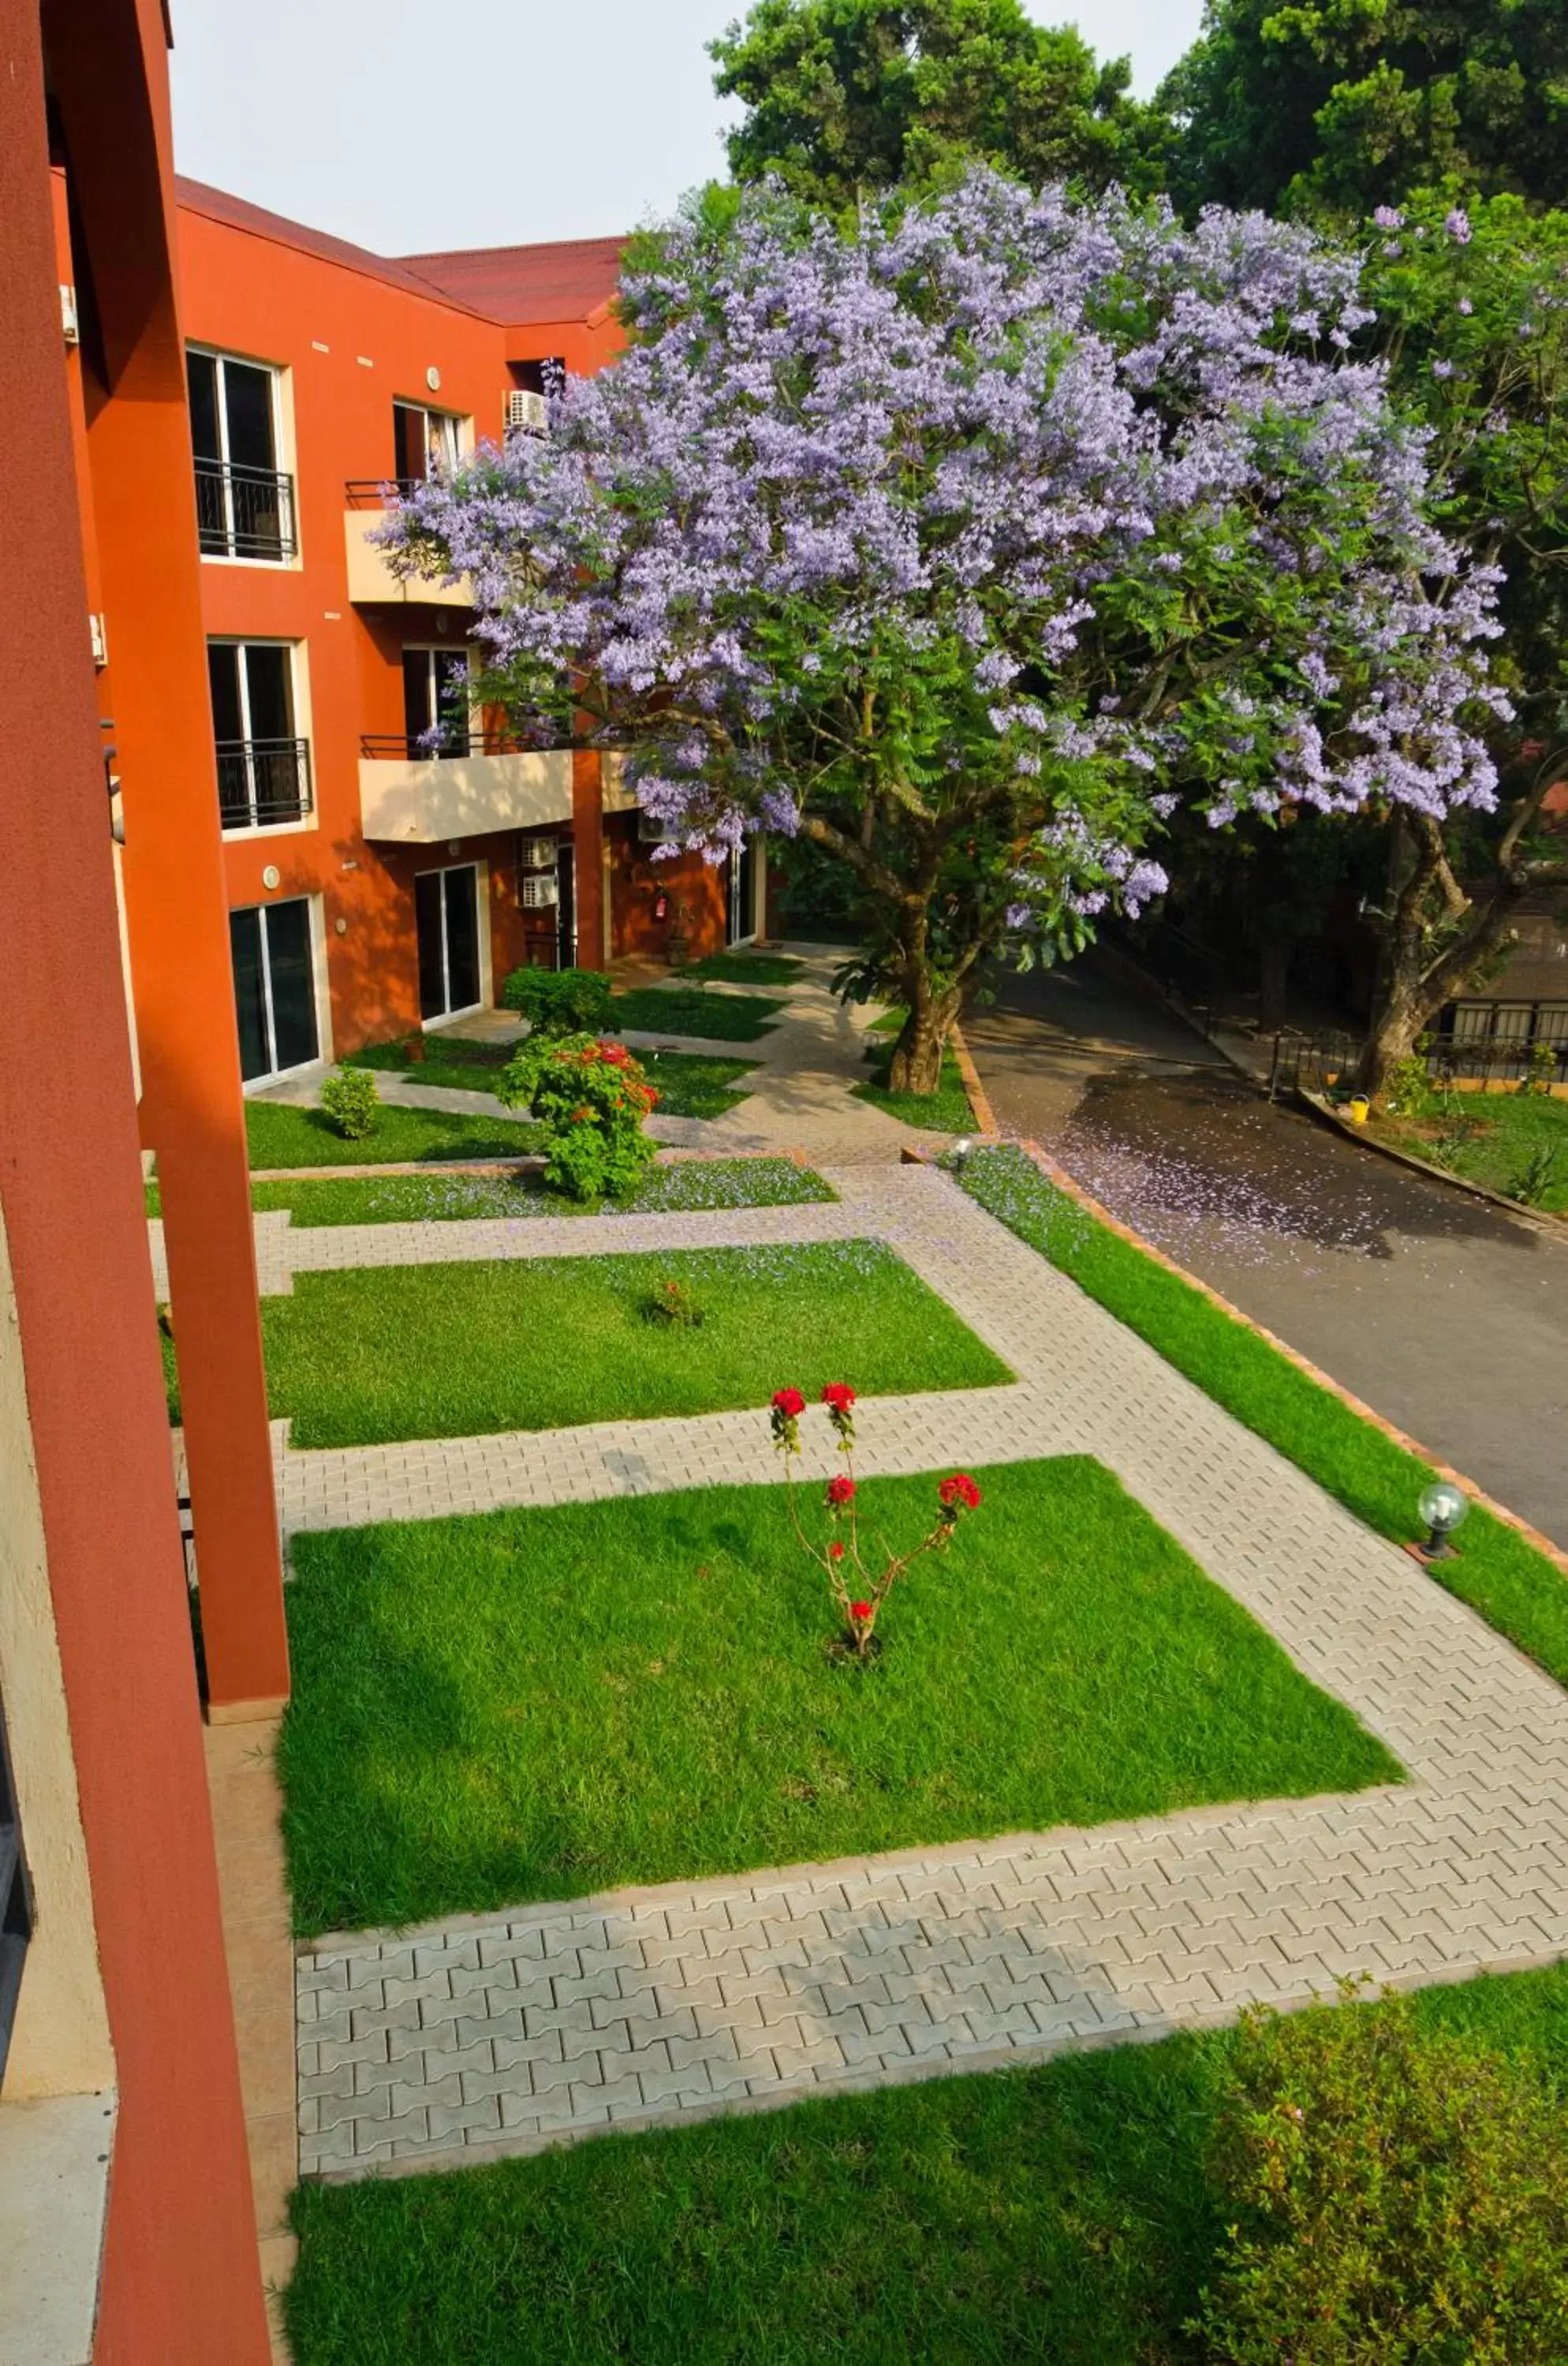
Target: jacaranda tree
x,y
969,544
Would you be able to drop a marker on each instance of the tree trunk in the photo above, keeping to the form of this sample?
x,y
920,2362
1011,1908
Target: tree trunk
x,y
916,1057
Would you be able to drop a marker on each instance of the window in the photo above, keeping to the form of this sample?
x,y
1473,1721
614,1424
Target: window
x,y
15,1902
264,766
543,376
244,503
435,702
447,921
425,444
275,987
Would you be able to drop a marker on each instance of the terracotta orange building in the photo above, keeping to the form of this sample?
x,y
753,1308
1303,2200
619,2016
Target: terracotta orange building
x,y
374,887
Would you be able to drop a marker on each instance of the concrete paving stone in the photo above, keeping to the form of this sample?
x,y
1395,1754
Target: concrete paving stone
x,y
757,1986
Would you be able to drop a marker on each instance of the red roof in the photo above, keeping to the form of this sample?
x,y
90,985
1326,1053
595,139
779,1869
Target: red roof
x,y
217,205
566,280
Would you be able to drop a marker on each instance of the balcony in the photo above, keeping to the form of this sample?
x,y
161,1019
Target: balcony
x,y
262,783
413,799
371,581
244,512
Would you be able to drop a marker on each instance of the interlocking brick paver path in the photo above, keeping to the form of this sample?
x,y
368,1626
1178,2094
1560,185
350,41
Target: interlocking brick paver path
x,y
503,2033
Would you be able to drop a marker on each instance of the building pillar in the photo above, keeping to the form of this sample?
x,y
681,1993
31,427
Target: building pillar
x,y
587,837
180,2282
176,905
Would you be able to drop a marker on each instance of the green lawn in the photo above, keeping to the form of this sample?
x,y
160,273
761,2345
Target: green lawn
x,y
281,1134
1514,1587
420,1198
688,1010
542,1704
748,968
1062,2215
946,1110
378,1353
689,1084
1496,1137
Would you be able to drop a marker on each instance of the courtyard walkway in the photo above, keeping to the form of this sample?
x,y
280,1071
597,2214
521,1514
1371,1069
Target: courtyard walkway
x,y
483,2035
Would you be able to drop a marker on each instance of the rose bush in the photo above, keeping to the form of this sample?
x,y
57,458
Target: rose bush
x,y
590,1098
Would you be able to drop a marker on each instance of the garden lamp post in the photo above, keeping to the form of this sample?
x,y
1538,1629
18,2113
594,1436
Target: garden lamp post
x,y
961,1150
1442,1507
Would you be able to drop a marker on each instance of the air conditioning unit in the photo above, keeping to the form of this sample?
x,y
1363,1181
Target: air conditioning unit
x,y
526,413
537,853
651,831
538,893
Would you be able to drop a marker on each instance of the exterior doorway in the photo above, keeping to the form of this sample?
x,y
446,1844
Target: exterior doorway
x,y
446,919
741,919
275,987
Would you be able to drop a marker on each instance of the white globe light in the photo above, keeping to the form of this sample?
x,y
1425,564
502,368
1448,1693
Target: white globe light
x,y
1443,1505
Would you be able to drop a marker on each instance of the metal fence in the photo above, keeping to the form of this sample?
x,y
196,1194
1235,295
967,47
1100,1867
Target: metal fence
x,y
262,782
244,512
1327,1061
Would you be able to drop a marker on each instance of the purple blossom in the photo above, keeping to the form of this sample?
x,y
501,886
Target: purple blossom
x,y
1389,217
1456,221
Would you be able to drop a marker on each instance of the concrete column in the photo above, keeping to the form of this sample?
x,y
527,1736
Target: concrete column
x,y
587,836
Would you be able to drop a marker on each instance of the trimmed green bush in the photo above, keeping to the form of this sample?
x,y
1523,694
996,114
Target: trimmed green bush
x,y
591,1097
1395,2195
559,1001
352,1103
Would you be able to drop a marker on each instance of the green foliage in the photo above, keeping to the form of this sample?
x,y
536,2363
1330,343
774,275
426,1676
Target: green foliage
x,y
1350,103
675,1303
559,1001
1542,1069
1397,2196
1537,1178
1407,1090
590,1098
352,1103
848,98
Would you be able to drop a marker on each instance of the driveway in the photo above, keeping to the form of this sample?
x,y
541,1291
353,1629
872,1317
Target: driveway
x,y
1448,1315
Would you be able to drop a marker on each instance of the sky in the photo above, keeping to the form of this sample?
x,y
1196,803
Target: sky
x,y
498,123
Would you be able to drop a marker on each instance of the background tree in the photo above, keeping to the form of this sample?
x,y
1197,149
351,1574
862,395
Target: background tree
x,y
1344,105
971,542
848,98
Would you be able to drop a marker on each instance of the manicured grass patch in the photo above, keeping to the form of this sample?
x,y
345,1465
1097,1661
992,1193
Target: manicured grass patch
x,y
1494,1142
378,1353
540,1704
694,1084
689,1084
281,1134
154,1197
1062,2215
1501,1575
688,1010
748,968
947,1110
419,1198
451,1060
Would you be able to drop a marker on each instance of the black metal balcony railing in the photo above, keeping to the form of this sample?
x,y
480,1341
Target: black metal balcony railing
x,y
397,747
262,782
244,512
370,492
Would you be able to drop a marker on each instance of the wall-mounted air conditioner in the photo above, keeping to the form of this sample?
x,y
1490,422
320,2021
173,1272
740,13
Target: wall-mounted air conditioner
x,y
539,892
538,855
526,413
654,832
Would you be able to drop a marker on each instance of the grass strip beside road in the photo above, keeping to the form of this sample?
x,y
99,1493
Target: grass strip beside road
x,y
378,1353
1498,1572
541,1704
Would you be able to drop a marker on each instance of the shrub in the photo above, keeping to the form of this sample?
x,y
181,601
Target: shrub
x,y
675,1306
352,1103
1541,1069
559,1001
1407,1090
590,1098
1538,1176
1394,2194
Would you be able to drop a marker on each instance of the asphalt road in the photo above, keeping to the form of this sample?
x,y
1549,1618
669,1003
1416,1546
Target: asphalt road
x,y
1448,1315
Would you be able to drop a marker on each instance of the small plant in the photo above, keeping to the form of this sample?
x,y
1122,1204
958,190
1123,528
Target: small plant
x,y
675,1306
1394,2196
1408,1089
1541,1068
352,1104
559,1001
859,1588
591,1097
1539,1174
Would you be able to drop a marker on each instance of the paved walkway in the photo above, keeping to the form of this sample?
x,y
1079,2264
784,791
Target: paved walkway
x,y
503,2033
1447,1315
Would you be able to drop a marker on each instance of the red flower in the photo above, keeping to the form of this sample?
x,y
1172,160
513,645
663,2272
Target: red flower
x,y
958,1489
840,1491
839,1395
859,1611
835,1552
789,1402
615,1053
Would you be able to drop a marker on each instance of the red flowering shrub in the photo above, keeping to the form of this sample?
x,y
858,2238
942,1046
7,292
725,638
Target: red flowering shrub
x,y
843,1563
590,1098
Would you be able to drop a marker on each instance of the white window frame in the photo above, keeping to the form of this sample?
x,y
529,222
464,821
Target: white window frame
x,y
457,428
480,870
321,987
432,650
299,699
282,448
